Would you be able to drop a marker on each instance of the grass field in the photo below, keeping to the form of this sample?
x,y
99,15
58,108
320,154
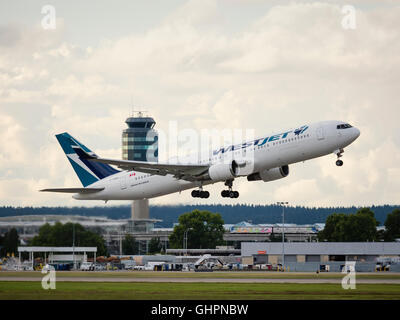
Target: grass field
x,y
27,290
195,291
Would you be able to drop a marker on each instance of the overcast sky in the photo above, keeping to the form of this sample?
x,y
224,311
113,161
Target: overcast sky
x,y
262,65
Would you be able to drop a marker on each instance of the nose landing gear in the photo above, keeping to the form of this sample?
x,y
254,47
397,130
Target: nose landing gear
x,y
339,154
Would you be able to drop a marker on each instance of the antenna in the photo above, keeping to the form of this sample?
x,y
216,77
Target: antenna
x,y
133,107
139,113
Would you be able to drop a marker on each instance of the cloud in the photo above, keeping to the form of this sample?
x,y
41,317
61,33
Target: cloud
x,y
290,64
12,152
371,179
302,192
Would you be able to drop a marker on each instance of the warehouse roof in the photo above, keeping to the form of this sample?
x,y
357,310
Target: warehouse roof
x,y
57,249
318,248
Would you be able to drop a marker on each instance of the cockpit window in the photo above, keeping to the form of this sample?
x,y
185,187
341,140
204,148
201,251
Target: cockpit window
x,y
343,126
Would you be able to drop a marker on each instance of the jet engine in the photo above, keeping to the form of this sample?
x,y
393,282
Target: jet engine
x,y
223,171
270,174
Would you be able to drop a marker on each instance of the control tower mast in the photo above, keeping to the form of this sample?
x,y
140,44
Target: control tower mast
x,y
140,143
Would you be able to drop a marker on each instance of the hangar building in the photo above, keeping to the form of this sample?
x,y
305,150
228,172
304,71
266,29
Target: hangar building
x,y
321,251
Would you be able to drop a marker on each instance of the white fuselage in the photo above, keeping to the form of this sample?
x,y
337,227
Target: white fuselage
x,y
284,148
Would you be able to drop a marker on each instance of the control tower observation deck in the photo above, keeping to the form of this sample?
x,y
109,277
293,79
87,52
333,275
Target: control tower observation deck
x,y
140,140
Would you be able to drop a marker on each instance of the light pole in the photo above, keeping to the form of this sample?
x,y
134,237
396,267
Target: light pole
x,y
185,238
73,243
283,203
120,243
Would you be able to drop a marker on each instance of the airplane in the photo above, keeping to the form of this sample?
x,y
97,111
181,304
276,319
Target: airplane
x,y
263,159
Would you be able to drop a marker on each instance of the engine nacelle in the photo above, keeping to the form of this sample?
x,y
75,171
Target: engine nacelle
x,y
270,175
223,171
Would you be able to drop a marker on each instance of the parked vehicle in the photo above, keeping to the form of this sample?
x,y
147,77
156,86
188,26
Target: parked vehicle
x,y
99,267
18,267
87,266
138,268
382,266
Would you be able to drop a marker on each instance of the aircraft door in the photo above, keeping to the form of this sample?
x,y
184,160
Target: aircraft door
x,y
123,183
320,133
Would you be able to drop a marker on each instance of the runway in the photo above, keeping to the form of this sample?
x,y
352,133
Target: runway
x,y
197,280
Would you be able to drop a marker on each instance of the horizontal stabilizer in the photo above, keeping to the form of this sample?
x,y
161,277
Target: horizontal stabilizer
x,y
73,190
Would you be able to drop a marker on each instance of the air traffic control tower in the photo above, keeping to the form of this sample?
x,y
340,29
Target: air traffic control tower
x,y
140,143
140,140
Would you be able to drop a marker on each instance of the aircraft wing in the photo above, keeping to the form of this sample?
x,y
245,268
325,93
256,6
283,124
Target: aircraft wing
x,y
73,190
190,172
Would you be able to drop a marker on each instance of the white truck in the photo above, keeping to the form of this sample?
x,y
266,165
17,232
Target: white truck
x,y
87,266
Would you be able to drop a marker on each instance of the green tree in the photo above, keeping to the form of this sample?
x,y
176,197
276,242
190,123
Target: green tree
x,y
204,230
63,235
10,242
129,245
155,246
392,225
334,228
362,226
341,227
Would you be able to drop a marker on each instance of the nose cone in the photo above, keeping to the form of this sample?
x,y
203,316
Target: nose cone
x,y
356,133
352,135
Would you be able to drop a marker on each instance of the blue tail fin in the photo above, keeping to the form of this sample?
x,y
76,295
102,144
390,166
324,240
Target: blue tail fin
x,y
87,171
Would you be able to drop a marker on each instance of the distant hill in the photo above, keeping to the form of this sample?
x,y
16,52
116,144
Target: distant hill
x,y
230,213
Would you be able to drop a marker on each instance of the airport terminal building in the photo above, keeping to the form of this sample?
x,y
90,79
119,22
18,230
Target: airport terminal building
x,y
114,231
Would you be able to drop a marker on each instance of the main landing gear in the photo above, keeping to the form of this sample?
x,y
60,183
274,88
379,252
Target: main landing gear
x,y
339,154
225,193
229,193
200,194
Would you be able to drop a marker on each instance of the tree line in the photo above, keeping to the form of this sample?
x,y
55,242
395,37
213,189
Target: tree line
x,y
229,213
57,235
361,226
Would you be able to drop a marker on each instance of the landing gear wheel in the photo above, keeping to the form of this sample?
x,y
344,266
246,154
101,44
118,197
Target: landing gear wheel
x,y
339,163
200,194
230,194
204,194
196,193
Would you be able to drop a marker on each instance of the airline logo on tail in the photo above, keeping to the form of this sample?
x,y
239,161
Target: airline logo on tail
x,y
87,172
